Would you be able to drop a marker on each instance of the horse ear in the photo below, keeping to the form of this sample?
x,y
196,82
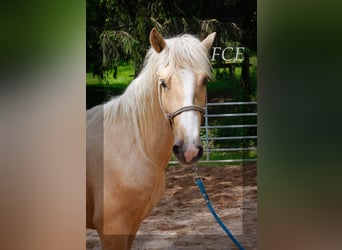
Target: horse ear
x,y
209,40
157,41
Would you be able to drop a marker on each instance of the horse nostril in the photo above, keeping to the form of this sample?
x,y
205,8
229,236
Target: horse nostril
x,y
176,149
200,152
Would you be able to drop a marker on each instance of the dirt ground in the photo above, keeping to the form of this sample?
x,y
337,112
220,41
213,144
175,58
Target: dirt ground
x,y
182,220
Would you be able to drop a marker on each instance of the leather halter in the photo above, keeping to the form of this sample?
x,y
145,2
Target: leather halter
x,y
172,115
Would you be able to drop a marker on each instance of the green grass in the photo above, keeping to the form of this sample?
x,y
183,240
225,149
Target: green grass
x,y
124,76
100,91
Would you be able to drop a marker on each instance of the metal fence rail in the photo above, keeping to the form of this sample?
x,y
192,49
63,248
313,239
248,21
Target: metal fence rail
x,y
210,142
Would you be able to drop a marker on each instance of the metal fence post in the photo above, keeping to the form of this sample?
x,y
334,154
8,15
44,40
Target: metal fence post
x,y
207,132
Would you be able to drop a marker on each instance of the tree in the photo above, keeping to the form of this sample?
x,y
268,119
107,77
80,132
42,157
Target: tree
x,y
118,30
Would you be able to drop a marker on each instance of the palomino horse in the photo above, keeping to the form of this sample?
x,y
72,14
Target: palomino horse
x,y
130,138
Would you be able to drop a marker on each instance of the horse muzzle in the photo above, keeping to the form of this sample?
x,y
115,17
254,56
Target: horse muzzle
x,y
188,153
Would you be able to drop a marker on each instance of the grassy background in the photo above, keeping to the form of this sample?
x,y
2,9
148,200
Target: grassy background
x,y
124,76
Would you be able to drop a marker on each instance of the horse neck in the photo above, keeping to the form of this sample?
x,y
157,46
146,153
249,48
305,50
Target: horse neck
x,y
156,135
161,138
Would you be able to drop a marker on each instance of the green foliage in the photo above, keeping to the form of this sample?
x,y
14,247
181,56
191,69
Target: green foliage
x,y
116,46
227,132
118,30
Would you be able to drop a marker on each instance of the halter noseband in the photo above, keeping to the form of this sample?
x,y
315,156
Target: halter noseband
x,y
172,115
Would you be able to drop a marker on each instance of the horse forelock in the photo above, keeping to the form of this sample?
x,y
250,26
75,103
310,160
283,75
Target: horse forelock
x,y
182,52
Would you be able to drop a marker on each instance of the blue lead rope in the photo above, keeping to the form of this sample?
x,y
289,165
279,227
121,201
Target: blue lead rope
x,y
199,183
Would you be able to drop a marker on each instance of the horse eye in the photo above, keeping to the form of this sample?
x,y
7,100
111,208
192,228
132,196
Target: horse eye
x,y
162,82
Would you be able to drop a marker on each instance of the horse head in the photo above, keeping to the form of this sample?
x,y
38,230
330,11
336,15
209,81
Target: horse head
x,y
182,74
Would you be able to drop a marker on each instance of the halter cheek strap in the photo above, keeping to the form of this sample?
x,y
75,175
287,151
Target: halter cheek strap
x,y
172,115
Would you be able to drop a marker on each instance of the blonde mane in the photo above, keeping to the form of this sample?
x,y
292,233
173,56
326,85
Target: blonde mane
x,y
138,106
